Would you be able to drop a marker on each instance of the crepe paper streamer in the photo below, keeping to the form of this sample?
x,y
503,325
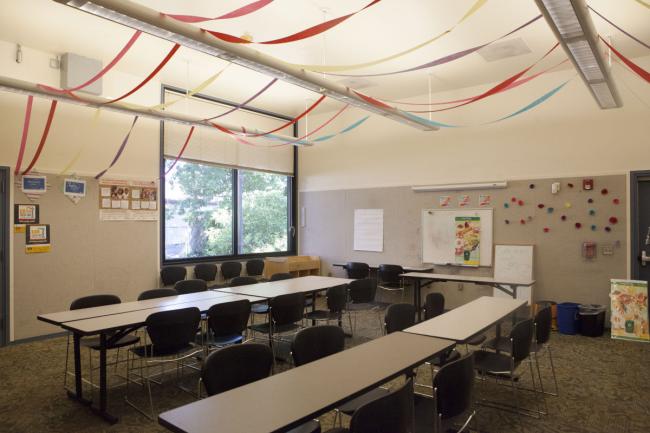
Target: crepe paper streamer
x,y
119,151
445,59
244,10
303,34
191,92
618,28
604,191
238,106
613,220
46,132
300,139
636,68
342,131
101,73
291,122
75,158
339,68
149,77
180,154
23,139
642,3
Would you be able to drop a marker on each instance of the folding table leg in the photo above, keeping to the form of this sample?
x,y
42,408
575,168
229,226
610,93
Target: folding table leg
x,y
78,393
416,298
313,306
103,394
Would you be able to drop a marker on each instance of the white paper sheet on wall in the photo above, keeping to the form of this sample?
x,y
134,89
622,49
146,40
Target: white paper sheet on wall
x,y
369,230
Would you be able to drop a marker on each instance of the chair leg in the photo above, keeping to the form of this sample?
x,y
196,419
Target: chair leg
x,y
515,393
550,357
532,376
541,384
65,370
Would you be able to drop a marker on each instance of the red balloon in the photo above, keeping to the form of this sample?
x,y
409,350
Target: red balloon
x,y
578,225
616,201
604,191
522,221
563,217
570,185
514,199
608,229
541,205
613,220
546,230
520,202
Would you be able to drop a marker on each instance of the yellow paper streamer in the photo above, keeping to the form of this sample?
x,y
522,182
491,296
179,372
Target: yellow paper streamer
x,y
75,158
642,3
339,68
191,92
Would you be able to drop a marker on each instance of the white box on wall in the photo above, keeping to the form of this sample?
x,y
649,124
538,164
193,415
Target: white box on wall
x,y
76,70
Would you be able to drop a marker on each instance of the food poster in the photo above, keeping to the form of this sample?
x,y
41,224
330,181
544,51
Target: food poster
x,y
629,318
468,240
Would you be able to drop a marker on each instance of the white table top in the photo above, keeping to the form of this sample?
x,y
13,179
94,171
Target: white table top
x,y
468,320
96,325
125,307
272,289
407,268
284,400
468,279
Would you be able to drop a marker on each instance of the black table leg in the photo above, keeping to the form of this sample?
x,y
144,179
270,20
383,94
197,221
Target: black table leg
x,y
78,394
103,392
498,336
313,307
416,298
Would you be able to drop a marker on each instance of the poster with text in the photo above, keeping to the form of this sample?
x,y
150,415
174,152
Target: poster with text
x,y
463,200
629,318
445,200
468,240
484,200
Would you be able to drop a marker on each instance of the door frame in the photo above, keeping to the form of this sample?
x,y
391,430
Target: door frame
x,y
635,177
5,185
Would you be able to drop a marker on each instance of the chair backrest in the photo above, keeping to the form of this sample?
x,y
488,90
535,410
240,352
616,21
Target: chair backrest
x,y
230,270
242,281
171,274
157,293
229,318
235,366
316,342
543,320
521,336
286,309
399,317
392,413
389,273
94,301
454,386
357,270
362,291
281,276
337,298
173,329
190,286
434,305
206,271
255,267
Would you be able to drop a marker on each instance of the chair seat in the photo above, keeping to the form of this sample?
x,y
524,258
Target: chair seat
x,y
260,308
352,405
390,286
491,363
225,340
308,427
476,340
503,344
141,351
265,328
424,415
453,356
93,342
322,315
361,306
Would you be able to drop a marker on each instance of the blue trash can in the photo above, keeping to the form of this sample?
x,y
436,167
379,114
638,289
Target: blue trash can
x,y
567,318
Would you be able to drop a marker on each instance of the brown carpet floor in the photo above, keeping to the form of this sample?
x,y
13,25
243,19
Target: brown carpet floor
x,y
604,387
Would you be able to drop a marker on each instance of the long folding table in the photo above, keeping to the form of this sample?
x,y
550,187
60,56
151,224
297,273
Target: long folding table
x,y
286,400
407,268
112,322
508,286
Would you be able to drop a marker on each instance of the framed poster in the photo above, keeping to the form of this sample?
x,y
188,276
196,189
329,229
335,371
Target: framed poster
x,y
37,238
26,214
629,318
468,240
74,187
32,184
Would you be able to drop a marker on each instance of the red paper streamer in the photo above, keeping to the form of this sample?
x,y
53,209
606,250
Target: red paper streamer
x,y
636,68
238,106
46,131
372,100
187,140
151,75
119,151
101,73
244,10
304,34
23,139
315,130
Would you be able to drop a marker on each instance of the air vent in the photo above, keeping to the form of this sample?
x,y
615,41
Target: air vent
x,y
504,50
76,70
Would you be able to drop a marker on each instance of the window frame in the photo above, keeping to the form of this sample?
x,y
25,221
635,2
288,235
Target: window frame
x,y
292,232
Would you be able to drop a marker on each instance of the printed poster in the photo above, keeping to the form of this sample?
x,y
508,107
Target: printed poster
x,y
484,200
37,238
24,214
629,318
463,200
468,240
445,200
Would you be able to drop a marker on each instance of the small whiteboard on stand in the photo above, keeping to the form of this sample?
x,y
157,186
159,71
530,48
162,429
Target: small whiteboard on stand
x,y
514,262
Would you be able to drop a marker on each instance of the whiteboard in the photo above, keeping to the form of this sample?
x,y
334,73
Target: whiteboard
x,y
439,235
514,262
369,230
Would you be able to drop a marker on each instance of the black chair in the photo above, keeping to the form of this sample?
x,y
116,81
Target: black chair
x,y
503,366
242,281
399,317
281,276
388,278
391,413
205,271
434,305
190,286
336,298
93,343
357,270
171,334
362,298
157,293
316,342
170,275
453,396
255,268
286,311
227,322
230,270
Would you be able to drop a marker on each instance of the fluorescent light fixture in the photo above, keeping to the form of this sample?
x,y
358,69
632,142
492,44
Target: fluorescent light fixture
x,y
572,25
27,88
461,186
154,23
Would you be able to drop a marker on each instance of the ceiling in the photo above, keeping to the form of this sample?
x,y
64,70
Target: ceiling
x,y
388,27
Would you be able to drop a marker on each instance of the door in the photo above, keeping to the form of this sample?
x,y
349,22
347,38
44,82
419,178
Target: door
x,y
4,255
640,213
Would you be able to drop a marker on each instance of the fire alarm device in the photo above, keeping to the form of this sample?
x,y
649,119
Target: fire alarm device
x,y
589,250
587,184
